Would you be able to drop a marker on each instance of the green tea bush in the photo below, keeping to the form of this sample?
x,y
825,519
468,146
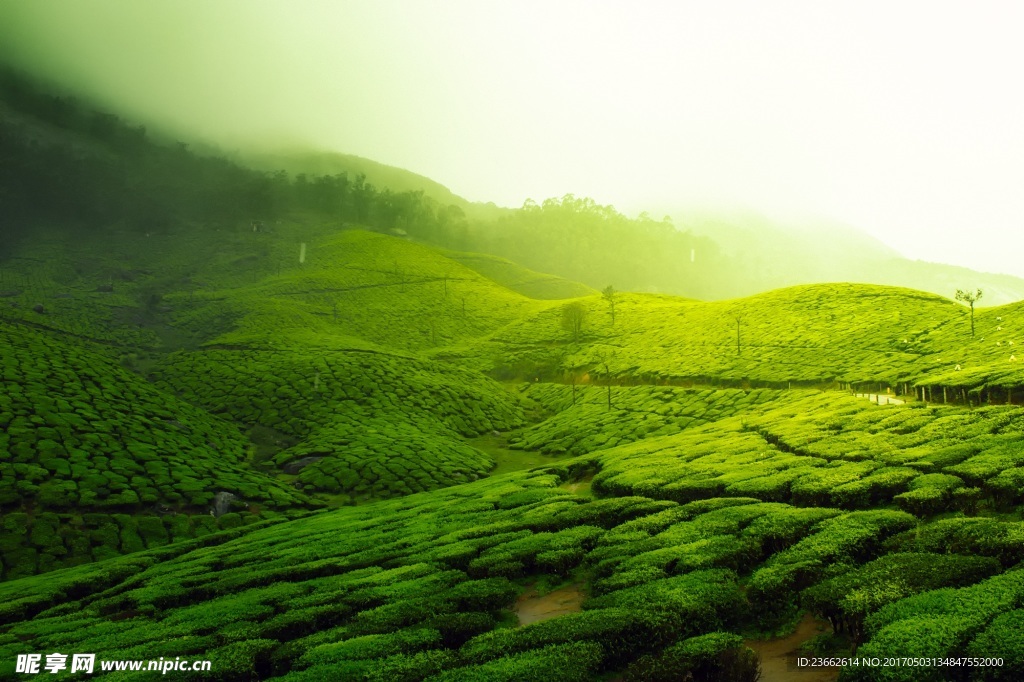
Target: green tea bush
x,y
572,662
715,657
622,635
850,538
1000,639
846,600
684,605
939,623
982,536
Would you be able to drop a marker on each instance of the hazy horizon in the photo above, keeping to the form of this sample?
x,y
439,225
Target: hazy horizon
x,y
899,120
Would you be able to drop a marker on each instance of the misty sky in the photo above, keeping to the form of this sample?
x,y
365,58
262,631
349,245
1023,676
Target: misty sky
x,y
905,119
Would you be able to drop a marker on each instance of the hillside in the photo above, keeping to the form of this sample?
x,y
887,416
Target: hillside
x,y
822,335
265,423
322,381
316,163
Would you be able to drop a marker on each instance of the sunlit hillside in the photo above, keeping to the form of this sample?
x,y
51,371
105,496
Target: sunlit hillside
x,y
310,429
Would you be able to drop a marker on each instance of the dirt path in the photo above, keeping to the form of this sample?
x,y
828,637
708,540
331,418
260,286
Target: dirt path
x,y
778,656
532,608
879,399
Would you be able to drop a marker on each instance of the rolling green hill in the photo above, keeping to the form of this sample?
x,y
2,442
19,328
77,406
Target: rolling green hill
x,y
260,421
813,334
519,279
314,163
98,462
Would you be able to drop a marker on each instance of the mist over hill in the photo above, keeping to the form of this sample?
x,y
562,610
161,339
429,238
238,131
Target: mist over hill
x,y
322,419
72,162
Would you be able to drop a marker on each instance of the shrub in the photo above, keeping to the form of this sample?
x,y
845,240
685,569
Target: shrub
x,y
573,662
622,635
848,599
714,657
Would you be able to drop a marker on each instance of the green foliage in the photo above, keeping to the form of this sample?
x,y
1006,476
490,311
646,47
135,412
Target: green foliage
x,y
846,600
989,537
381,425
941,623
575,661
850,538
1001,639
715,657
721,496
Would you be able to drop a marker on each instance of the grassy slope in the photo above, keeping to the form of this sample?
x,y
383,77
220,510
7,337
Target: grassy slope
x,y
519,279
382,424
354,284
814,334
89,444
713,509
414,588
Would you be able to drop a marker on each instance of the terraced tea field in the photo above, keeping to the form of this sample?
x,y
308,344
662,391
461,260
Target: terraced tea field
x,y
361,466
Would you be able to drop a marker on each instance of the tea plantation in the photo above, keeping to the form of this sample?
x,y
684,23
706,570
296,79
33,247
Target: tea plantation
x,y
376,424
280,456
88,444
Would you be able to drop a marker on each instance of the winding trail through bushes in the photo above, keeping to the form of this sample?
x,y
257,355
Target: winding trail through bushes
x,y
778,655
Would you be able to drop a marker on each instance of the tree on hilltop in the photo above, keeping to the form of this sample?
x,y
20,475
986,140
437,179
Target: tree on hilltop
x,y
969,298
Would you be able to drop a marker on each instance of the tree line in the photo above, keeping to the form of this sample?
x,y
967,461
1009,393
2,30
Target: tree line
x,y
66,162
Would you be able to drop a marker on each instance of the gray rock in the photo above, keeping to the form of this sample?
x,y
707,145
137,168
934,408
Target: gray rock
x,y
222,503
299,464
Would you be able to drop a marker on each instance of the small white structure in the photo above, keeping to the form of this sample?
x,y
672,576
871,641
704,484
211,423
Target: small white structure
x,y
958,368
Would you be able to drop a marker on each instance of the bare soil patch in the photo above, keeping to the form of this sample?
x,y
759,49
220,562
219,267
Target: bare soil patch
x,y
778,655
532,607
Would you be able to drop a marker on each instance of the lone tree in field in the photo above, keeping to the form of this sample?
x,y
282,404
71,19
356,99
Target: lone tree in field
x,y
739,319
573,317
603,357
609,294
969,298
573,364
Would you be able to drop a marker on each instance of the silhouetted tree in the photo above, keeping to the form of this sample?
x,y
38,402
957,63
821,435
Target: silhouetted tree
x,y
969,298
603,358
609,294
572,363
573,317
